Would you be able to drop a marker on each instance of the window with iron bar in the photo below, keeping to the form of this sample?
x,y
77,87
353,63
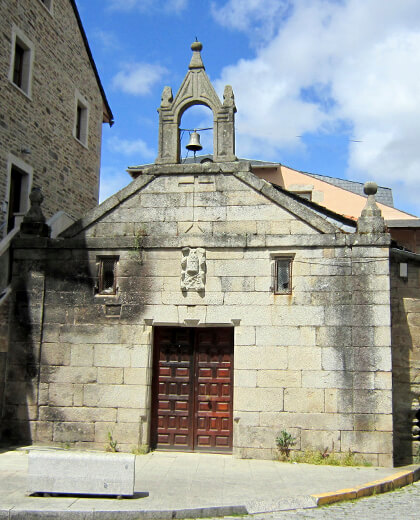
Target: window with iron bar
x,y
282,275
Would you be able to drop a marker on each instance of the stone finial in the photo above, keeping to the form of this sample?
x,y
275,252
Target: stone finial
x,y
371,220
34,221
228,97
167,97
196,61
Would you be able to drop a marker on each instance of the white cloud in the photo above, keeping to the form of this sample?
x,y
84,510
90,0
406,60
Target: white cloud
x,y
176,5
254,16
330,61
107,39
138,78
112,180
135,147
151,6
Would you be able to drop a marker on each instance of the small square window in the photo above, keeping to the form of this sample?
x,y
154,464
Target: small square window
x,y
282,275
107,275
81,120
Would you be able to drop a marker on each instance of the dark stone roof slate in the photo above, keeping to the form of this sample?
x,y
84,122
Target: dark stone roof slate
x,y
383,195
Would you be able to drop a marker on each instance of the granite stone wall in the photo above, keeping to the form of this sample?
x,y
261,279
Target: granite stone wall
x,y
4,320
43,123
405,299
316,362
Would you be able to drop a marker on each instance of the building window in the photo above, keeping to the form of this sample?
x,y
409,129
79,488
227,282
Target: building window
x,y
47,3
18,65
81,120
22,61
282,275
17,204
107,275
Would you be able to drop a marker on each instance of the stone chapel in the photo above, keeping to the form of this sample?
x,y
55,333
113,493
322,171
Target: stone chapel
x,y
204,308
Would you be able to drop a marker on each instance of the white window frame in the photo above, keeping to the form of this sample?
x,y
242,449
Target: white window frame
x,y
18,37
13,161
81,102
48,5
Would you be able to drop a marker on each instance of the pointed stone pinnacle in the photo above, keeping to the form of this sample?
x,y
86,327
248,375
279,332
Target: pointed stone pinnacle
x,y
196,61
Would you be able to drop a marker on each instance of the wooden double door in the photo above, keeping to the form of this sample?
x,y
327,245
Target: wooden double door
x,y
192,389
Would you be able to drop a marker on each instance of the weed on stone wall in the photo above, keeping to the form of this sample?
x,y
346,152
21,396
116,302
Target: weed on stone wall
x,y
318,457
112,444
416,458
143,449
284,442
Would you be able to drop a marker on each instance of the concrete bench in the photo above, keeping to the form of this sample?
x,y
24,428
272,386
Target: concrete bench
x,y
84,473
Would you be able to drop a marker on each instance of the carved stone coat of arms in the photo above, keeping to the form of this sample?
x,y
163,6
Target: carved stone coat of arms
x,y
193,265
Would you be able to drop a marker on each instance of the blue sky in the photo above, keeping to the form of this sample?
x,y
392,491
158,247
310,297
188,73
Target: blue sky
x,y
326,86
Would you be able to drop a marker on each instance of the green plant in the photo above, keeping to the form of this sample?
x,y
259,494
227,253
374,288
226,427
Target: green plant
x,y
318,457
416,459
284,443
142,449
112,444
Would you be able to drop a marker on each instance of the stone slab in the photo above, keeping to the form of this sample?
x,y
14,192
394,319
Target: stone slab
x,y
53,471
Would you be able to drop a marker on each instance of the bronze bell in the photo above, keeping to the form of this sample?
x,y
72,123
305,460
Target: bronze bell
x,y
194,144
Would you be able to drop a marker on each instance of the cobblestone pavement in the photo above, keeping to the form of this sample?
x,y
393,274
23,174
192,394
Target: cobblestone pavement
x,y
397,505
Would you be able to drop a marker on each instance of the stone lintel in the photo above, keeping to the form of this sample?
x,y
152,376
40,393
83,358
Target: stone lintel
x,y
369,239
238,240
198,168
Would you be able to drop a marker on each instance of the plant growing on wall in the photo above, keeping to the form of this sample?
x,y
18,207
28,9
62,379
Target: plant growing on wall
x,y
417,455
284,443
112,444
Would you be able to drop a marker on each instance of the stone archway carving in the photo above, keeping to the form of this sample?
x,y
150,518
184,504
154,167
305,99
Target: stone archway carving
x,y
196,89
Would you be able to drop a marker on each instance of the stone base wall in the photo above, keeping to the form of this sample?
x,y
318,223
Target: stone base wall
x,y
405,298
4,342
316,362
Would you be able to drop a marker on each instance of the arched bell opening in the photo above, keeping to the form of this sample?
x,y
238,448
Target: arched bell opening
x,y
196,90
195,131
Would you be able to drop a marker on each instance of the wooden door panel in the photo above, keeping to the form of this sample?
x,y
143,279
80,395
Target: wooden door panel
x,y
192,389
214,380
173,389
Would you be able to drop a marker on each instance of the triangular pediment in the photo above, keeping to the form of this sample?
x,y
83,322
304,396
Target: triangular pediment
x,y
196,88
202,199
